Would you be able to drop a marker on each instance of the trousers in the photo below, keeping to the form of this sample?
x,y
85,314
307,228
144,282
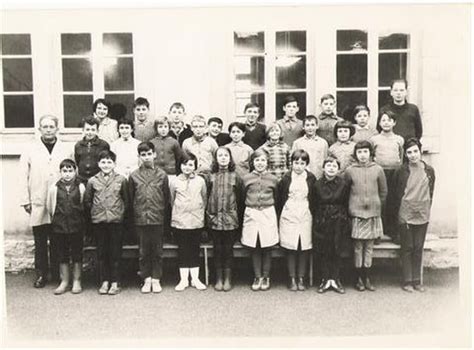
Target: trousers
x,y
109,250
150,258
412,240
46,257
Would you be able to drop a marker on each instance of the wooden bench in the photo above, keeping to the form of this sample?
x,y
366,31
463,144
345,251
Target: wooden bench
x,y
386,249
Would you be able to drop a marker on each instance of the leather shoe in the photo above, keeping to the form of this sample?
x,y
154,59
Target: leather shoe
x,y
337,286
360,285
265,283
408,288
40,282
257,283
419,288
300,284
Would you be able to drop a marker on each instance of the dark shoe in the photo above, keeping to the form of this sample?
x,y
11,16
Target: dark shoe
x,y
40,282
257,283
338,287
265,283
227,280
408,288
300,284
368,285
292,285
419,288
360,285
218,286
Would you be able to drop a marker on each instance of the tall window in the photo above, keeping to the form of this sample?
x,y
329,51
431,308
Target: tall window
x,y
269,66
366,63
351,70
93,66
17,81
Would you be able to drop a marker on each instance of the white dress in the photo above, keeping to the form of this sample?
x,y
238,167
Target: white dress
x,y
296,220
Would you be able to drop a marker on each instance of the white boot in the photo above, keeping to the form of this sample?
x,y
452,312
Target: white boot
x,y
195,282
184,279
146,288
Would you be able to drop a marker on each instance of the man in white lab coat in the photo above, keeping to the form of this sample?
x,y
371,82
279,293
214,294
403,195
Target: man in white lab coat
x,y
39,165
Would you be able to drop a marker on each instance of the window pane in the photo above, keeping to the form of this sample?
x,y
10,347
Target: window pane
x,y
384,98
18,111
393,41
249,42
122,105
118,73
249,73
392,66
17,75
242,98
118,44
293,41
351,70
291,72
347,100
351,40
77,74
76,107
75,44
16,44
300,97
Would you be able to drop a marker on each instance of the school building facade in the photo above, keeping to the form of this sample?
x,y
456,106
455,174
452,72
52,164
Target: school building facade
x,y
215,60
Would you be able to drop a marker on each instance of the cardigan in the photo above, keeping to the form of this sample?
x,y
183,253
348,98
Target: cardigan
x,y
144,131
368,189
203,150
260,189
399,183
283,190
167,152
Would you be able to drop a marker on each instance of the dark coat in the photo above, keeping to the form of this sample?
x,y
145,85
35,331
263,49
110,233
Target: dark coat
x,y
68,216
331,224
284,188
399,184
86,155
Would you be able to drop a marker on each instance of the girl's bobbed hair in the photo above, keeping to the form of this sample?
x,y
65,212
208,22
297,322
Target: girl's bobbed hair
x,y
300,154
363,144
257,153
271,127
186,157
215,165
344,124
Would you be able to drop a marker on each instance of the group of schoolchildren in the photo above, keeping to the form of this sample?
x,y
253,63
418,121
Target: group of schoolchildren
x,y
319,183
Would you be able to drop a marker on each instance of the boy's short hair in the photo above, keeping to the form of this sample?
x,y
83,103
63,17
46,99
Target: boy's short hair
x,y
357,109
125,121
145,147
67,163
363,144
300,154
257,153
399,80
310,117
389,114
215,165
327,97
91,121
271,127
215,120
177,105
331,159
100,100
186,157
344,124
161,120
289,99
198,119
50,117
239,125
107,154
141,101
251,105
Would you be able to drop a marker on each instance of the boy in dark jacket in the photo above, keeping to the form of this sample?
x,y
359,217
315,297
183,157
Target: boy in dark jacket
x,y
67,220
106,199
150,197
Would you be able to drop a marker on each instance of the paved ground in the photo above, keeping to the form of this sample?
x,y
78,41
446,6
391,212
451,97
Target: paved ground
x,y
38,315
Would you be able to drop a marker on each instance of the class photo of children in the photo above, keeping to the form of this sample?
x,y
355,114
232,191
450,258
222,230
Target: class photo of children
x,y
287,171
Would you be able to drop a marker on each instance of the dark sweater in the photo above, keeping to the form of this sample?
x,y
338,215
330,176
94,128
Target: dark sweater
x,y
256,137
408,120
86,154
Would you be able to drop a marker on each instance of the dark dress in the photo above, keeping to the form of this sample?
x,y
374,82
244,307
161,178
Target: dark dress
x,y
332,225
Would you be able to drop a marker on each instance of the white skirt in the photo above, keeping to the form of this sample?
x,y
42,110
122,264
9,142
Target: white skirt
x,y
260,224
295,224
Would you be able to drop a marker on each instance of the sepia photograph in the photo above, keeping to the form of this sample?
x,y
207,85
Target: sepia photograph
x,y
286,174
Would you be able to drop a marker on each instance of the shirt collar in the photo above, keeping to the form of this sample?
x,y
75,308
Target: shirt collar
x,y
289,120
324,116
358,127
